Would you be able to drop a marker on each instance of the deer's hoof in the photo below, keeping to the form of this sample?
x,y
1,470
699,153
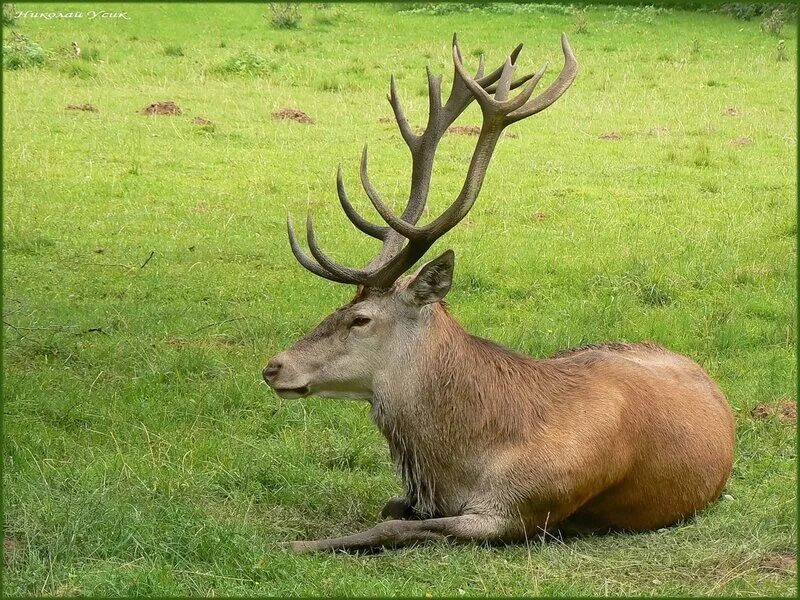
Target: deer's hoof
x,y
300,547
397,508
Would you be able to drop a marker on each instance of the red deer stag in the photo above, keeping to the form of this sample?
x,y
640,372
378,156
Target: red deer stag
x,y
493,445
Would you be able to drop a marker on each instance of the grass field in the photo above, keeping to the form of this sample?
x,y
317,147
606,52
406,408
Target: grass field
x,y
147,279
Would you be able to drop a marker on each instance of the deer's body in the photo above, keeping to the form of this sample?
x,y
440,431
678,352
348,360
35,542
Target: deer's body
x,y
615,436
493,445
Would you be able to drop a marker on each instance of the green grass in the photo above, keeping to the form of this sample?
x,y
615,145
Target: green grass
x,y
143,453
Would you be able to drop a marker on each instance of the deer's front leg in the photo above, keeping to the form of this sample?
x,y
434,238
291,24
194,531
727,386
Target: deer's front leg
x,y
393,534
398,508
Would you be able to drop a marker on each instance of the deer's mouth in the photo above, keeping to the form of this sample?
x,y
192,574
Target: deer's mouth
x,y
292,393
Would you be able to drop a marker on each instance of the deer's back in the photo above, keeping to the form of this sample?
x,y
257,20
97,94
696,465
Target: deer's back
x,y
647,384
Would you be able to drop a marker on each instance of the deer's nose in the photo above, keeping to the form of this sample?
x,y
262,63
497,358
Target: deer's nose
x,y
271,370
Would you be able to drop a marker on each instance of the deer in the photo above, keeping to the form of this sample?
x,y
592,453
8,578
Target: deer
x,y
493,446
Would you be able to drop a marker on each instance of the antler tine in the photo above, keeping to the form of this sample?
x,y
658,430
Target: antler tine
x,y
356,219
327,263
492,77
504,84
409,136
525,94
514,84
556,89
434,96
306,261
481,95
500,102
402,227
481,65
460,95
456,47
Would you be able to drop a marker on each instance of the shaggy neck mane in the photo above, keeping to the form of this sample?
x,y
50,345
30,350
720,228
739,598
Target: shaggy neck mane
x,y
469,394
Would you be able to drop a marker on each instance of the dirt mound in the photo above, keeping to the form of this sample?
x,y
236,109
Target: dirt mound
x,y
201,121
464,130
162,108
610,135
777,563
293,114
745,140
786,411
86,106
11,550
732,111
454,130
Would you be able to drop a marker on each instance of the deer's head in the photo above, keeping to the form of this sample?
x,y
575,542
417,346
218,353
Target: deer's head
x,y
381,326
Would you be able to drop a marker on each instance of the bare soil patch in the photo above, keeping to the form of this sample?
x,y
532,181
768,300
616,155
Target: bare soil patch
x,y
216,341
85,107
778,563
454,130
762,411
68,591
745,140
11,550
786,411
168,108
201,121
293,114
732,111
610,135
539,216
464,130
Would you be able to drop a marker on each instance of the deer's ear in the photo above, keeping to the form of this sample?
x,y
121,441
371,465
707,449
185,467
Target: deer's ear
x,y
433,280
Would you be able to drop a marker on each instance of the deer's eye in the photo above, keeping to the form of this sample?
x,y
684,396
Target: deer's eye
x,y
360,321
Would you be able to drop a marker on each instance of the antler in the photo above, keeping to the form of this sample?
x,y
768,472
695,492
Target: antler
x,y
498,112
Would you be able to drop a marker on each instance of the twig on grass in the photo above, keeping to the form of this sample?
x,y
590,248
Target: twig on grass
x,y
53,328
92,263
93,330
214,575
152,253
13,310
214,324
57,329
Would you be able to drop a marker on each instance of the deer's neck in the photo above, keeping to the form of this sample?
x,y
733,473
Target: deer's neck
x,y
454,401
